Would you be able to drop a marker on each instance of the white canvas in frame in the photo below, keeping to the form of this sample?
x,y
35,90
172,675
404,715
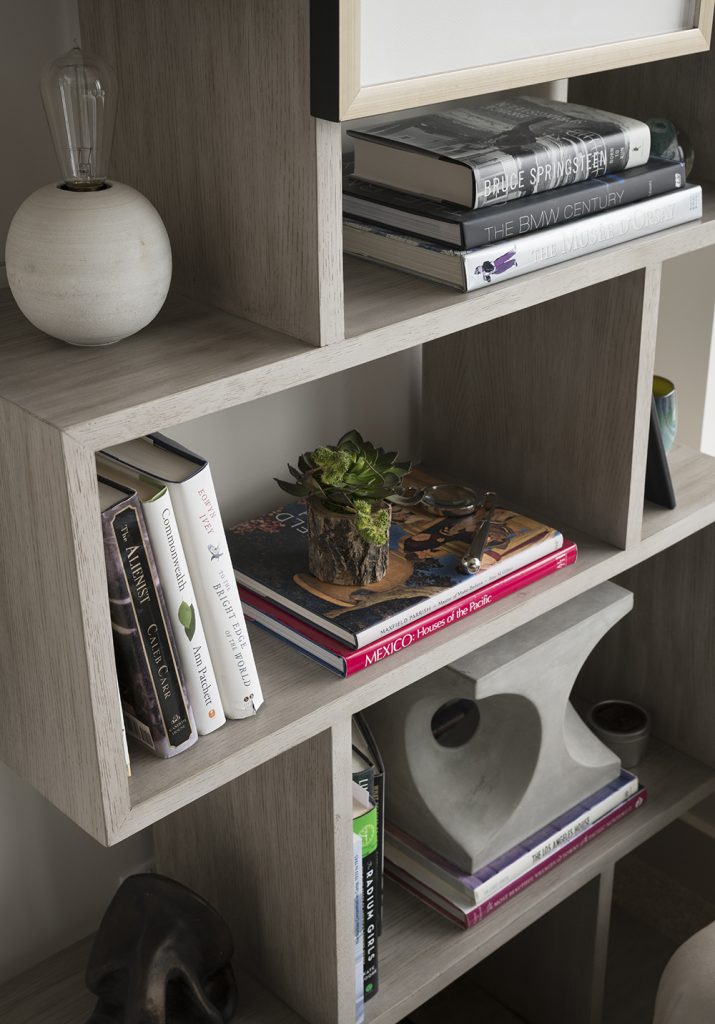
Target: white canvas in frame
x,y
395,54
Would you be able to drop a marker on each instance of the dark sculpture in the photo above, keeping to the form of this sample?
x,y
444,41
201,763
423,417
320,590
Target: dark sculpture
x,y
162,955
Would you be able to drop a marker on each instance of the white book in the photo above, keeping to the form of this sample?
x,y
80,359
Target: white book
x,y
357,929
188,479
469,269
181,603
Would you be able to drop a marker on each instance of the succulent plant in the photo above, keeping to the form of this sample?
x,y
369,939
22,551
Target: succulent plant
x,y
355,477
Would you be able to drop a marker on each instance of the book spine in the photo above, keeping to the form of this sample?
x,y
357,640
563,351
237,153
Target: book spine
x,y
494,572
202,532
184,613
157,711
366,827
365,779
467,917
578,238
310,641
458,610
357,929
521,864
372,780
556,858
560,206
549,165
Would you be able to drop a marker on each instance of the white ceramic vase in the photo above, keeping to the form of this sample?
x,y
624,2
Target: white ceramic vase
x,y
88,267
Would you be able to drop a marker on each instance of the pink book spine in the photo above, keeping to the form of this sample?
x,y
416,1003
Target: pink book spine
x,y
460,609
556,858
469,918
354,661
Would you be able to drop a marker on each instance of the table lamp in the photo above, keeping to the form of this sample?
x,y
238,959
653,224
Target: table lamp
x,y
88,259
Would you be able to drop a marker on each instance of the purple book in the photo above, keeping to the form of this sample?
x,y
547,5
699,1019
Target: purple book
x,y
461,913
409,854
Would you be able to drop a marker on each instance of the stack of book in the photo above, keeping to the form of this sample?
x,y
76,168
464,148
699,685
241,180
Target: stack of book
x,y
347,629
469,196
184,658
467,899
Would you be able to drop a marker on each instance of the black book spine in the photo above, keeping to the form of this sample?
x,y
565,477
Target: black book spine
x,y
561,205
157,711
370,901
378,793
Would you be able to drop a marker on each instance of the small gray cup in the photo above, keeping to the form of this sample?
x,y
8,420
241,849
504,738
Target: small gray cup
x,y
623,726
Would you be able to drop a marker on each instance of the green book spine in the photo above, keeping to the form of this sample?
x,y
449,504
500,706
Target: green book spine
x,y
366,827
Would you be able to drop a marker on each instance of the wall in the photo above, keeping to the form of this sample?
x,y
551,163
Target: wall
x,y
54,881
685,344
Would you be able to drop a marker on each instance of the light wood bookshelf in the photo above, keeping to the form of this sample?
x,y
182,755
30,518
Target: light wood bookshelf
x,y
539,386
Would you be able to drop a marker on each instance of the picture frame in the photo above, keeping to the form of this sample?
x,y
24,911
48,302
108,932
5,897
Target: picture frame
x,y
342,32
658,482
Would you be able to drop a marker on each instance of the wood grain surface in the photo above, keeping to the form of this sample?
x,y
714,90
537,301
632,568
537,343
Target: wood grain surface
x,y
273,850
543,404
453,85
663,656
54,992
193,360
214,128
555,960
680,91
58,689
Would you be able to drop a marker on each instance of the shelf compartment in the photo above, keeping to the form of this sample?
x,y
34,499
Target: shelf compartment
x,y
63,727
54,992
548,404
303,699
194,360
420,953
380,301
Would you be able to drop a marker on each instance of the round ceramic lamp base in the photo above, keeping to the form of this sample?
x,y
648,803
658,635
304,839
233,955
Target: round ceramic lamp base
x,y
88,267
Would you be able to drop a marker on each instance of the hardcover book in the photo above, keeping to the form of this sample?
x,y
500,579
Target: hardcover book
x,y
357,928
463,913
470,269
346,661
365,748
365,826
156,709
270,556
470,229
415,858
495,152
175,578
187,477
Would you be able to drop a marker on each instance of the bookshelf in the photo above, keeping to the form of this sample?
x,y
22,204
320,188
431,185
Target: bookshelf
x,y
222,811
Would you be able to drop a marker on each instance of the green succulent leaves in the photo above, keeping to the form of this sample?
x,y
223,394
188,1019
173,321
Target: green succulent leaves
x,y
353,476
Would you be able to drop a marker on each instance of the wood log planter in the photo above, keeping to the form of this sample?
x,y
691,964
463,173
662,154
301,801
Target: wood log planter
x,y
349,488
338,553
